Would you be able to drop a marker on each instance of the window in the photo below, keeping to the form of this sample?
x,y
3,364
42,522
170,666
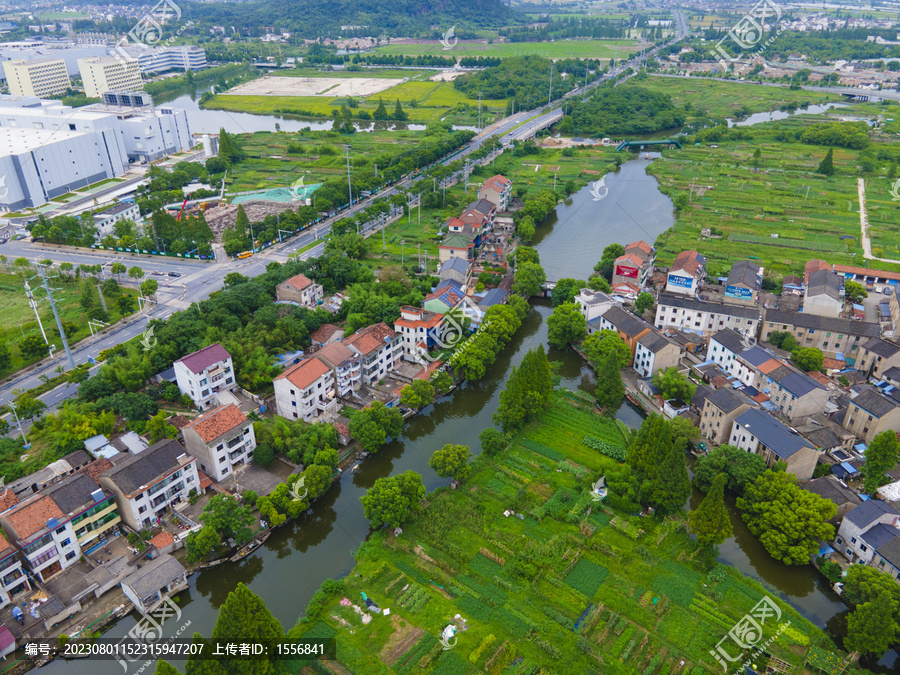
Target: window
x,y
66,542
142,509
839,541
852,540
70,555
204,393
61,530
863,548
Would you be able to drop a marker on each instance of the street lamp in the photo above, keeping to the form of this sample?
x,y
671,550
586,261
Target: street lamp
x,y
402,242
12,406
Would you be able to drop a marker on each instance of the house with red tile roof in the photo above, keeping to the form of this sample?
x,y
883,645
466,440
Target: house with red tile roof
x,y
40,530
641,249
497,190
221,439
305,391
326,334
299,290
346,365
380,350
205,373
13,579
686,273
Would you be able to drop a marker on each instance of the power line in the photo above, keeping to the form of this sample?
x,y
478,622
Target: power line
x,y
59,325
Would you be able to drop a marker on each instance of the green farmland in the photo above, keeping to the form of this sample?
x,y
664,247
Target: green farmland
x,y
561,49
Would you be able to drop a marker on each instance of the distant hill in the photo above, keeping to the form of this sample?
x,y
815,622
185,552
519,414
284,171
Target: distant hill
x,y
314,18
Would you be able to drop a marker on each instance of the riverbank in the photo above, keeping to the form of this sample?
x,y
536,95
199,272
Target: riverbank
x,y
541,572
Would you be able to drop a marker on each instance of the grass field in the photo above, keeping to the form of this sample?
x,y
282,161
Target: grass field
x,y
423,101
19,321
561,49
572,586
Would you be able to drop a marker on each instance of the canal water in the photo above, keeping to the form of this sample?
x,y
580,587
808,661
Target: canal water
x,y
297,558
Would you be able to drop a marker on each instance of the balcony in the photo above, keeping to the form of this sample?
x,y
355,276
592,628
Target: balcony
x,y
234,442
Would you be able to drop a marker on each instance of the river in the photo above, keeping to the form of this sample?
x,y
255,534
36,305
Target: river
x,y
297,558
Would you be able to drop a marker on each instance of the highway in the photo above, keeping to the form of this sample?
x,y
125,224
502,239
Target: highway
x,y
198,279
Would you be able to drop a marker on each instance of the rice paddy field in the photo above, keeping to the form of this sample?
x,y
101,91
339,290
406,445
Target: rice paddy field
x,y
538,577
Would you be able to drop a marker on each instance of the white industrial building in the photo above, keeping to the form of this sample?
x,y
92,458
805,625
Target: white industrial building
x,y
69,52
48,149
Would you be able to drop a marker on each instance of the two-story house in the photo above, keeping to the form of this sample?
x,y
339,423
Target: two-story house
x,y
204,374
305,391
380,350
592,305
147,586
479,215
704,318
456,245
743,282
831,335
877,356
458,270
823,294
39,529
149,484
301,290
221,439
346,366
13,579
420,332
866,528
686,273
627,325
720,409
758,432
653,352
870,413
93,513
497,190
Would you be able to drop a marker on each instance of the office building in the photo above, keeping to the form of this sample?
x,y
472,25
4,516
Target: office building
x,y
108,73
38,77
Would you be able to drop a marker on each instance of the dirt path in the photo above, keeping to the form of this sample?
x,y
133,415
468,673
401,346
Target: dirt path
x,y
864,225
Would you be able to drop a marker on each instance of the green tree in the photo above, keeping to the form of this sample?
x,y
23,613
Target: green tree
x,y
125,304
788,521
601,343
643,302
871,628
492,441
149,287
87,294
380,112
263,454
610,390
855,291
135,272
673,384
228,518
671,487
756,157
372,426
826,166
710,521
565,291
5,357
529,279
527,391
608,259
881,456
417,395
390,501
864,584
808,358
157,428
242,223
118,269
244,616
451,461
201,543
525,229
33,347
738,466
399,113
566,326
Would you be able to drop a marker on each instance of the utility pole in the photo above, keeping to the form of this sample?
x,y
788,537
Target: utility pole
x,y
550,95
37,316
479,112
12,406
402,244
383,228
59,325
349,189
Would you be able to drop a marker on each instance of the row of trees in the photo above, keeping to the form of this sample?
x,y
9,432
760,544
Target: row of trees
x,y
473,357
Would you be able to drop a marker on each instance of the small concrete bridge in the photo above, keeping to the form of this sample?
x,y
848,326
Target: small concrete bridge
x,y
642,144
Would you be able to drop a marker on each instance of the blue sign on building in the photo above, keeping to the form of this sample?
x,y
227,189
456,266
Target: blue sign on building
x,y
735,292
684,282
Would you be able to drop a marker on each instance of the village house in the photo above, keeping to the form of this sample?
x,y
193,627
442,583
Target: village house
x,y
720,409
299,290
758,432
870,413
866,528
743,282
592,305
204,374
13,579
686,273
420,332
704,318
147,586
221,439
305,391
835,491
151,483
456,245
830,335
628,326
479,215
380,350
346,366
653,352
458,270
824,294
40,531
877,356
887,558
497,190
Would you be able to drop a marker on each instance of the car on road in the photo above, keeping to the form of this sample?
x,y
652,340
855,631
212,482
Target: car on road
x,y
174,274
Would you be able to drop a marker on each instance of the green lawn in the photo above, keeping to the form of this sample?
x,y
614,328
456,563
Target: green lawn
x,y
572,586
561,49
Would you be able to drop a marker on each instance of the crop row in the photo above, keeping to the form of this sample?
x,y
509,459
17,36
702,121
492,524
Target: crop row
x,y
605,448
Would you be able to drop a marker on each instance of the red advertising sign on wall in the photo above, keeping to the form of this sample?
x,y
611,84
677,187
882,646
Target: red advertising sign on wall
x,y
627,271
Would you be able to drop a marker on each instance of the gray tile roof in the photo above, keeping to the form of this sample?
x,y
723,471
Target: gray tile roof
x,y
781,317
744,272
144,468
824,282
828,488
654,341
73,493
756,356
482,206
154,575
772,433
823,438
891,552
892,374
679,302
868,512
495,296
799,384
457,264
625,322
728,400
703,392
880,534
881,348
730,339
874,403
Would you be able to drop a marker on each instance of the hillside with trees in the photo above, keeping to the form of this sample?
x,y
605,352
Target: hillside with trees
x,y
622,111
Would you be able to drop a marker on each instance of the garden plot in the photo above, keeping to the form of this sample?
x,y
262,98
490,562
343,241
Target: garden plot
x,y
314,86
